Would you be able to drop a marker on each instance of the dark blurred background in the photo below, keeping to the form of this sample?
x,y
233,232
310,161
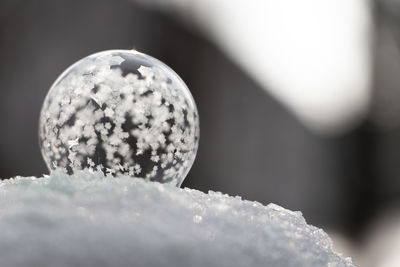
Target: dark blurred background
x,y
344,178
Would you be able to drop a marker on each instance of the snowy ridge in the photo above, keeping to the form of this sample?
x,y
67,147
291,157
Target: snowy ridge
x,y
88,219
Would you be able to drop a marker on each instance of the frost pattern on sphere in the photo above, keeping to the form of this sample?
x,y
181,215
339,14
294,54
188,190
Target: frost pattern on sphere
x,y
122,112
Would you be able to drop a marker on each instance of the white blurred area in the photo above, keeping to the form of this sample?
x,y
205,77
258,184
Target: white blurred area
x,y
383,244
312,55
379,248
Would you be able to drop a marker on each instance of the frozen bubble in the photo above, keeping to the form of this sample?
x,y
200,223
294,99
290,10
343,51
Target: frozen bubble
x,y
89,219
123,112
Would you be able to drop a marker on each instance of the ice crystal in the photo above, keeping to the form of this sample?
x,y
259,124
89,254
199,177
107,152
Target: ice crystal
x,y
123,111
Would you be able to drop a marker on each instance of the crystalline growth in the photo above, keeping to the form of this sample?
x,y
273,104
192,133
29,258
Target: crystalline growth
x,y
123,112
89,219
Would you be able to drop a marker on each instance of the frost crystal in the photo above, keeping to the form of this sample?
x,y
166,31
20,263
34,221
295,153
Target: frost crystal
x,y
89,219
123,111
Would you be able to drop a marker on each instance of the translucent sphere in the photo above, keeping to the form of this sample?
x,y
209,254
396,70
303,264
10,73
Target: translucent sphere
x,y
121,112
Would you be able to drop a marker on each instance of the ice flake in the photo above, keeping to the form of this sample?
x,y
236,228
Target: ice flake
x,y
110,171
108,112
145,71
155,158
137,169
197,219
90,163
116,60
121,168
72,143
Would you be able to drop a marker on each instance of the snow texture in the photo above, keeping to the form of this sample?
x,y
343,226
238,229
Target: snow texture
x,y
89,219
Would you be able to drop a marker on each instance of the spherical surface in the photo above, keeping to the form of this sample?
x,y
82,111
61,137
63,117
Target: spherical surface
x,y
122,112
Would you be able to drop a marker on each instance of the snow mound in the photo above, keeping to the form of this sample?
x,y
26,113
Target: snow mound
x,y
89,219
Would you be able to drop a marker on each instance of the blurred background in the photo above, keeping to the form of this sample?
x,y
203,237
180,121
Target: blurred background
x,y
299,101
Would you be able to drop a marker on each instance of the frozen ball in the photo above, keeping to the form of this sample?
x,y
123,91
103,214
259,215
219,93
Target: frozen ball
x,y
122,112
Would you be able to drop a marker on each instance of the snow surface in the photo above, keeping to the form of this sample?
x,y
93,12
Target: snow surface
x,y
89,219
